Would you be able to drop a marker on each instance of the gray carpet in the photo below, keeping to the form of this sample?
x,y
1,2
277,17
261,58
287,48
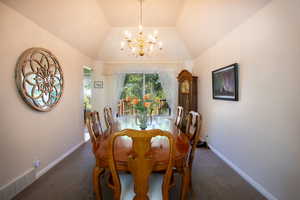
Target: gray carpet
x,y
71,179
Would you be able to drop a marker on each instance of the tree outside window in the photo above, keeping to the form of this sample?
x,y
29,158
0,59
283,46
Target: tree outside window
x,y
138,86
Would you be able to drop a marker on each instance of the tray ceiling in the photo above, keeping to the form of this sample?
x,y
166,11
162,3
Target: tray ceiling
x,y
94,26
155,12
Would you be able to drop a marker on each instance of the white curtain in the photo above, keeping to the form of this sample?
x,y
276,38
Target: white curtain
x,y
118,81
169,84
120,84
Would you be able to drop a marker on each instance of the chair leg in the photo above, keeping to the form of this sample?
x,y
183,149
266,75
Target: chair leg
x,y
190,179
117,194
96,181
185,183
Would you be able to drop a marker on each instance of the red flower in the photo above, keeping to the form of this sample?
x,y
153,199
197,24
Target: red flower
x,y
147,104
135,101
127,98
146,97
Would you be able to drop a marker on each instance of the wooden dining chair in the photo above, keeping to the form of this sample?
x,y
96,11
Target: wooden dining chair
x,y
94,128
96,132
193,128
108,117
179,116
140,165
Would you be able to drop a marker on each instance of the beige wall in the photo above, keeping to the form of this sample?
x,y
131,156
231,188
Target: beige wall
x,y
260,133
25,134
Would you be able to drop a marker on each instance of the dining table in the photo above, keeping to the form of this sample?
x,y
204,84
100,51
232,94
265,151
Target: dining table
x,y
159,147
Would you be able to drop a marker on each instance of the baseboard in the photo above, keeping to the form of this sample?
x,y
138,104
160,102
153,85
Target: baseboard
x,y
55,162
18,184
250,180
11,189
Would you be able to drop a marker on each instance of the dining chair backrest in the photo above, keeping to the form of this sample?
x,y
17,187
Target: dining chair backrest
x,y
94,128
108,117
140,162
179,116
193,127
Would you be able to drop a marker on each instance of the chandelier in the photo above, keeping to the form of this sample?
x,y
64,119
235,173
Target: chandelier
x,y
141,44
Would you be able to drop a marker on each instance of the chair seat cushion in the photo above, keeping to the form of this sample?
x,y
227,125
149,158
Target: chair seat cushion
x,y
155,186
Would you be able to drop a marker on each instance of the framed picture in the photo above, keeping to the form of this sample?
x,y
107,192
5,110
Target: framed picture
x,y
98,84
225,83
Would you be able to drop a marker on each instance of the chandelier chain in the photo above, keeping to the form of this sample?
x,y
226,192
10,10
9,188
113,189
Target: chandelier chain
x,y
141,12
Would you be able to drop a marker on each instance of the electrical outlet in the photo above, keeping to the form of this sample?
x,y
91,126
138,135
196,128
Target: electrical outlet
x,y
37,163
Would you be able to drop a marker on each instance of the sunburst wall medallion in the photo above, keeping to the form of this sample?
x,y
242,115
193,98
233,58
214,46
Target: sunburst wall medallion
x,y
39,79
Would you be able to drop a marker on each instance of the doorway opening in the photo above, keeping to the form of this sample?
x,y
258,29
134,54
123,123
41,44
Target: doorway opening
x,y
87,96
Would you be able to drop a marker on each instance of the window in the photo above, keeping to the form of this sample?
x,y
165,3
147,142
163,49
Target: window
x,y
137,85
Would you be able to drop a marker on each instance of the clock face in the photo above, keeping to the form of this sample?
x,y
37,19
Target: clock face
x,y
185,87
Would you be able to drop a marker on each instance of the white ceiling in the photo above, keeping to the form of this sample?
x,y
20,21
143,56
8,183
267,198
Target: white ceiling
x,y
187,27
155,12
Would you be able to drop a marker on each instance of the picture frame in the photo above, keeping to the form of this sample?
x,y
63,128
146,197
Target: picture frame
x,y
98,84
225,83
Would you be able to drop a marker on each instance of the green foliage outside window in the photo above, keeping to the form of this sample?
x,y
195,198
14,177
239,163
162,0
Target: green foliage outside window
x,y
134,88
87,88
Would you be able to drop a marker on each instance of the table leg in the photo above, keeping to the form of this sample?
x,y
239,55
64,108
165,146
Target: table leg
x,y
185,183
96,182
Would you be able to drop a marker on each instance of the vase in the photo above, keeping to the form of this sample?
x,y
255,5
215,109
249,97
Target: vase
x,y
142,120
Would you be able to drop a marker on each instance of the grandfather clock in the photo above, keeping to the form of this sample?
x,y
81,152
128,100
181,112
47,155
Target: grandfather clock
x,y
188,97
187,92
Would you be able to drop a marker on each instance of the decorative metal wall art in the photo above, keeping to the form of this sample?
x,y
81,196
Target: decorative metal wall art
x,y
39,79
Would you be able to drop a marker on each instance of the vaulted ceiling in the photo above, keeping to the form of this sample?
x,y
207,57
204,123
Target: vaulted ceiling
x,y
95,27
155,12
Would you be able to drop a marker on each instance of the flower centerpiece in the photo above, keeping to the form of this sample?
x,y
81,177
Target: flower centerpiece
x,y
143,108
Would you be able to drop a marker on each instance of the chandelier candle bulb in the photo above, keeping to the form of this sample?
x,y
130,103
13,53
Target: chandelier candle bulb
x,y
126,33
151,48
140,28
122,45
160,44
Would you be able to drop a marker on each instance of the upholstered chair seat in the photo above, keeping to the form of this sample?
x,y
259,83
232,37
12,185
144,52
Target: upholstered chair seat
x,y
155,184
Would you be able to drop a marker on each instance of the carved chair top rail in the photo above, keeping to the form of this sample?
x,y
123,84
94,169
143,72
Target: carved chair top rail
x,y
94,128
108,117
193,128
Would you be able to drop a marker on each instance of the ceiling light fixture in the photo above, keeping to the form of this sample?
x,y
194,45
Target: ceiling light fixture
x,y
140,45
